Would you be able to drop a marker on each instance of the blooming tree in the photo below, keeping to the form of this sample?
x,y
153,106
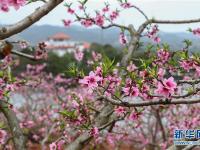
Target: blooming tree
x,y
137,100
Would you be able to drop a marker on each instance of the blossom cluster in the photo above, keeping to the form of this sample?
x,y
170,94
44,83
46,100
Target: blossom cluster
x,y
5,4
101,18
153,34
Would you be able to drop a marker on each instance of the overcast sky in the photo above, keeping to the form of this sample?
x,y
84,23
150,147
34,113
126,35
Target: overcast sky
x,y
160,9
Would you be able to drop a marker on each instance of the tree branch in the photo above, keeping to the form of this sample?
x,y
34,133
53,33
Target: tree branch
x,y
150,21
16,131
102,120
31,57
40,12
159,119
148,103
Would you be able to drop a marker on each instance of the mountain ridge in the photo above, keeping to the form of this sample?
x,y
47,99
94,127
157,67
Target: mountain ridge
x,y
37,33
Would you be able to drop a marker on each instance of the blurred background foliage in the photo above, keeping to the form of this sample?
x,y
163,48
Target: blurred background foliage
x,y
56,64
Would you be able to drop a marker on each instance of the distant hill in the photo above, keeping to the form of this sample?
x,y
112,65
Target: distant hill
x,y
35,34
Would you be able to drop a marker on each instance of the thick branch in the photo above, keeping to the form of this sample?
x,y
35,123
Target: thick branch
x,y
192,82
174,21
133,45
16,131
149,103
8,31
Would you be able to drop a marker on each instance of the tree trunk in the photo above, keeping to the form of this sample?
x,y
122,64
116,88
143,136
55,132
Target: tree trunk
x,y
13,123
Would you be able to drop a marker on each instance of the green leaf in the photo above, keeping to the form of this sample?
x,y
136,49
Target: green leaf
x,y
70,114
187,42
166,46
189,29
72,70
107,65
2,125
1,74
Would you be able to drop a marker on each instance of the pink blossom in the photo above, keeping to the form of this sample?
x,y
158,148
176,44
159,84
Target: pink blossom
x,y
133,116
27,124
122,38
91,81
163,55
36,137
59,79
3,135
5,4
161,73
163,146
75,104
110,139
40,54
60,144
99,20
131,67
78,55
120,111
23,44
90,62
4,8
196,31
170,83
67,23
131,91
1,94
186,78
71,11
187,64
114,15
197,71
105,9
167,87
143,74
17,3
126,5
152,34
81,7
10,87
1,81
53,146
156,39
94,132
145,88
87,22
96,56
98,71
153,31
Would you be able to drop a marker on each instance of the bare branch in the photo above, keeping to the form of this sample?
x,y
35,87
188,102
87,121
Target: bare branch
x,y
192,82
141,12
159,119
150,21
149,103
102,120
49,132
23,55
8,31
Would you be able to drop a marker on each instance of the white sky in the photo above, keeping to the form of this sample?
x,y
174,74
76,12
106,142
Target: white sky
x,y
160,9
